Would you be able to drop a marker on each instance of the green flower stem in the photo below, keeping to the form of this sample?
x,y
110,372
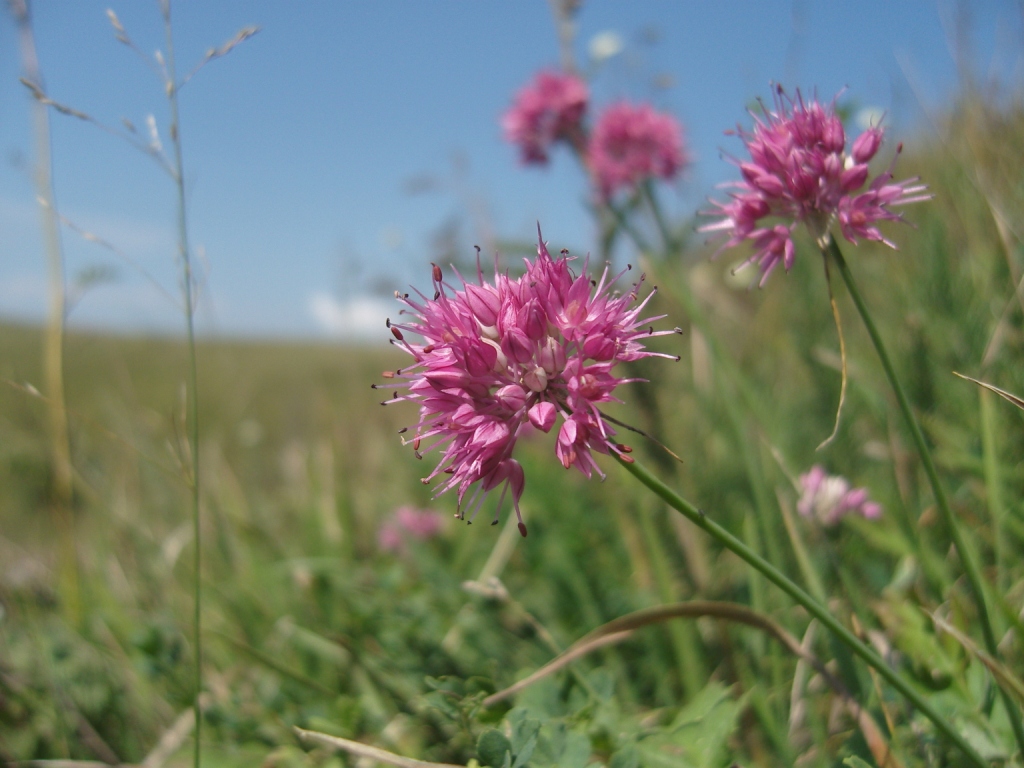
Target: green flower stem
x,y
813,607
971,569
666,234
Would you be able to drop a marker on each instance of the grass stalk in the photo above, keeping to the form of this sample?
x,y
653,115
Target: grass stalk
x,y
685,641
193,377
53,339
970,565
813,607
993,481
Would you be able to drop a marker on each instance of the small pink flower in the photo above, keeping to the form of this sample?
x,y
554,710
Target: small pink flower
x,y
405,523
633,143
799,172
547,110
516,354
828,498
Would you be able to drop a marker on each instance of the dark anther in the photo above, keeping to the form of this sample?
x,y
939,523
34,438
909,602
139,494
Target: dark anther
x,y
373,386
629,266
403,430
396,333
428,349
522,529
494,522
437,295
436,272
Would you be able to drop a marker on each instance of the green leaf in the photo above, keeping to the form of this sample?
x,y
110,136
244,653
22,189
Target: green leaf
x,y
492,748
699,733
856,762
627,757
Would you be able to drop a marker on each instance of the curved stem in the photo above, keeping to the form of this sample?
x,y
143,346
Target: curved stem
x,y
971,569
813,607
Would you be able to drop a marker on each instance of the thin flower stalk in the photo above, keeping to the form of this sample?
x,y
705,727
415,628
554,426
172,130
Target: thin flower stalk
x,y
184,253
816,609
970,565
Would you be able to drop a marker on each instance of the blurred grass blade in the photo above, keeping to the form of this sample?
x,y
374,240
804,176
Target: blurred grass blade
x,y
269,661
991,388
1008,681
365,750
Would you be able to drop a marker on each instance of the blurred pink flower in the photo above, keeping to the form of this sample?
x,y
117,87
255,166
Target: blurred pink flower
x,y
500,358
548,109
799,172
633,143
405,523
828,498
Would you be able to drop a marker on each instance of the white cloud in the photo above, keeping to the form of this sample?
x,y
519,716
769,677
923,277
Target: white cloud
x,y
361,318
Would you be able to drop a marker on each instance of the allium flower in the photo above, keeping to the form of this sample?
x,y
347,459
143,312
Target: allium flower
x,y
548,109
405,523
500,358
633,143
799,171
829,497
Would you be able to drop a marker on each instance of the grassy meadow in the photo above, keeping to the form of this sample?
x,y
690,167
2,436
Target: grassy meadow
x,y
308,622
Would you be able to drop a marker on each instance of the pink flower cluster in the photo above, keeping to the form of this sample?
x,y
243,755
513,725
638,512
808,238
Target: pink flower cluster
x,y
828,498
501,358
406,523
629,143
633,143
799,171
548,109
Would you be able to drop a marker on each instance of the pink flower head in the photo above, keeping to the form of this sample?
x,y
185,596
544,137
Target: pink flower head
x,y
829,497
548,109
633,143
799,171
501,357
405,523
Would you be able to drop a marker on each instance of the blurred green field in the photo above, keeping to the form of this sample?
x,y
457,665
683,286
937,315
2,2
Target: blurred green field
x,y
308,623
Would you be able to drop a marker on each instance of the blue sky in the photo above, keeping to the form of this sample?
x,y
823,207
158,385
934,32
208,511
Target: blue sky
x,y
301,145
